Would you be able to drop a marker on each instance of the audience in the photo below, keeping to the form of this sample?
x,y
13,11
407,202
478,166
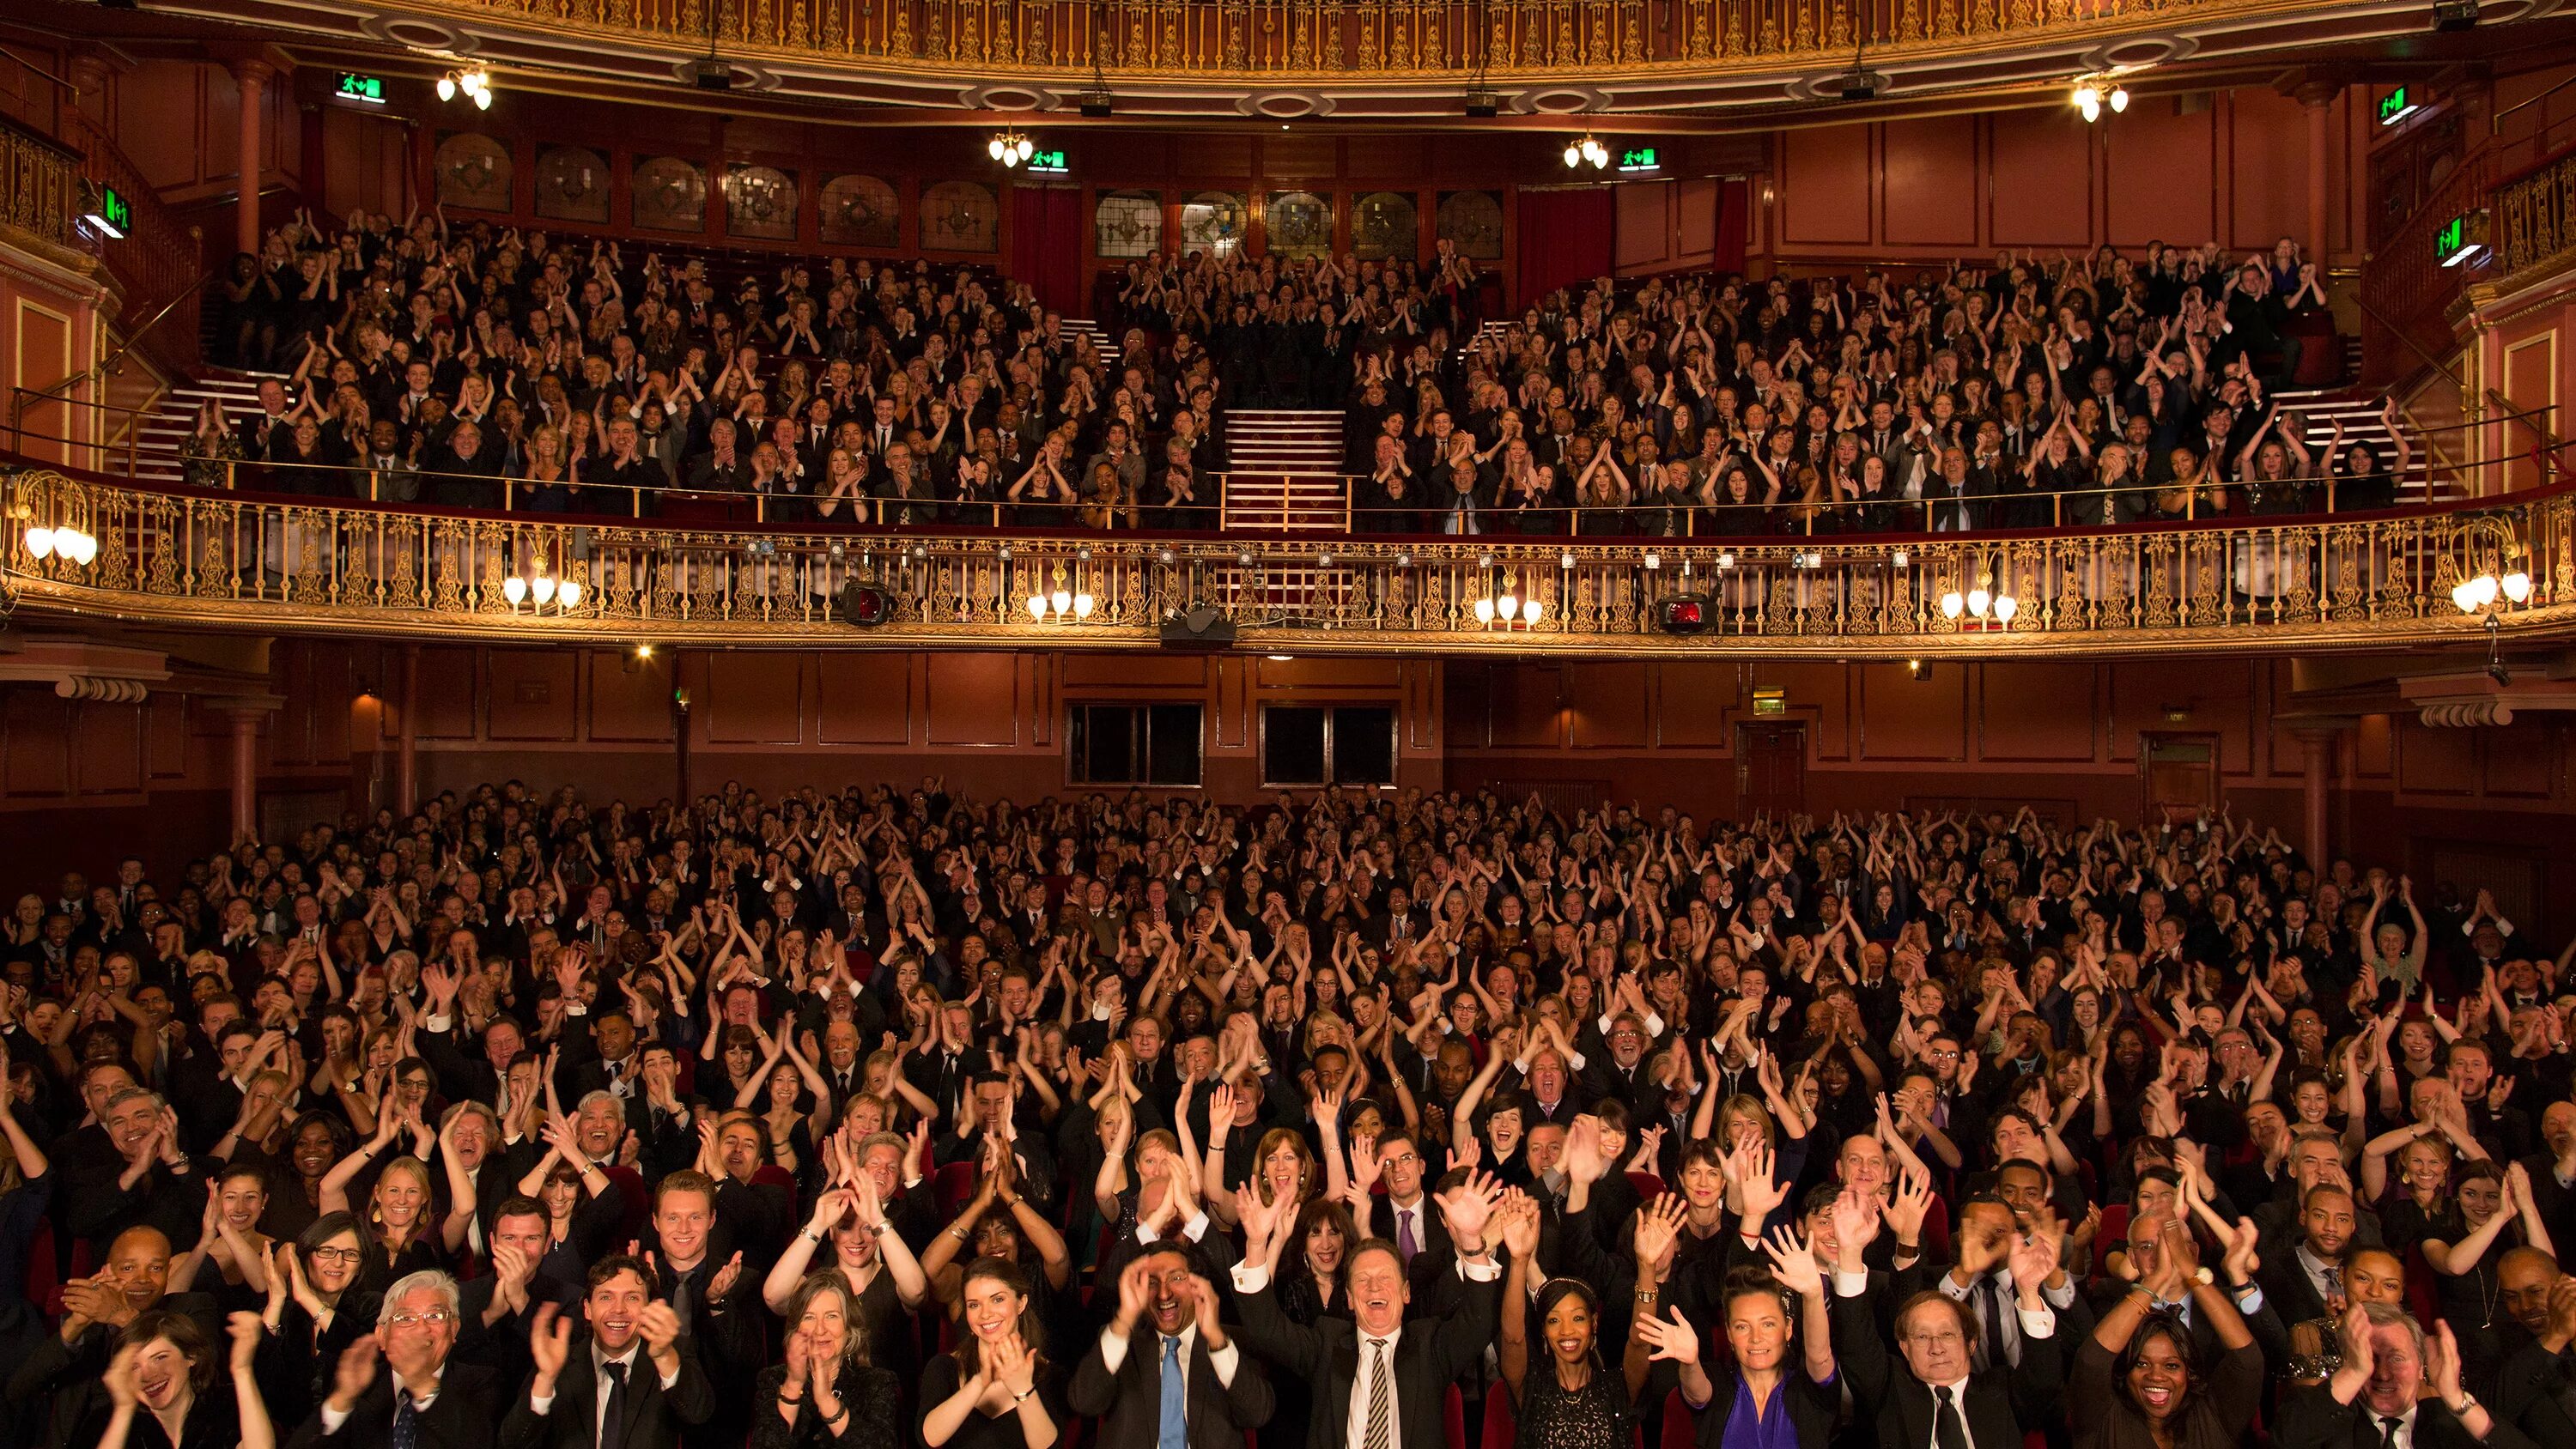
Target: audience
x,y
1344,1121
553,374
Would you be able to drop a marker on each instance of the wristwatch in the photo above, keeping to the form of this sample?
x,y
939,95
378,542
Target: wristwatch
x,y
2205,1276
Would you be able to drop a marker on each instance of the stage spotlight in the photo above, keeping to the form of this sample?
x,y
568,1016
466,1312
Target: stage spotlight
x,y
864,604
1683,614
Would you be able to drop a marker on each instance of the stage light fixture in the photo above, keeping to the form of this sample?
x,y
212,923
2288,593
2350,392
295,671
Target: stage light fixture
x,y
1683,614
2452,16
863,604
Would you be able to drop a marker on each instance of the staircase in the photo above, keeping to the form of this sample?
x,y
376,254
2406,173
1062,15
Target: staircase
x,y
2319,409
157,434
1284,471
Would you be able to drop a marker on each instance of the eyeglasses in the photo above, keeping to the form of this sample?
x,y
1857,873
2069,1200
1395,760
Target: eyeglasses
x,y
335,1255
434,1318
1948,1338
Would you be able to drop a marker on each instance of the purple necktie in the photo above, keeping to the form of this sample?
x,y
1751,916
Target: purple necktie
x,y
1405,1244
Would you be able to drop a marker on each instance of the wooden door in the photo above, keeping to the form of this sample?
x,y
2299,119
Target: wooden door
x,y
1770,770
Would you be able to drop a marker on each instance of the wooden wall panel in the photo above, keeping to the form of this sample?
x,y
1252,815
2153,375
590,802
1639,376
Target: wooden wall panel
x,y
2040,188
1821,693
2520,760
1104,674
1930,179
2160,180
168,736
450,684
1693,705
39,757
2036,712
1642,228
1527,705
1825,170
1605,706
533,694
864,699
108,746
752,699
974,699
2267,166
1911,720
2435,761
627,700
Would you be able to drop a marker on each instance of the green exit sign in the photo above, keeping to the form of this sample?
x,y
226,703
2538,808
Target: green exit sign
x,y
2395,106
110,214
2460,243
1638,158
1046,163
367,88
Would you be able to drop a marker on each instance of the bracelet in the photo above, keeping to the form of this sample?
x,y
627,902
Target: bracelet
x,y
1023,1396
785,1397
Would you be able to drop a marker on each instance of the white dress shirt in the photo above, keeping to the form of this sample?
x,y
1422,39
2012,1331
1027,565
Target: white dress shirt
x,y
1114,1345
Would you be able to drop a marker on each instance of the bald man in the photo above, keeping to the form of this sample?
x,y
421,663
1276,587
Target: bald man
x,y
2535,1390
65,1366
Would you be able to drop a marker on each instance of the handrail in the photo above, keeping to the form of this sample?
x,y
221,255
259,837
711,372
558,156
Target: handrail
x,y
297,565
2489,397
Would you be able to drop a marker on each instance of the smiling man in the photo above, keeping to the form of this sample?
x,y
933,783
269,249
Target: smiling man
x,y
1164,1372
630,1382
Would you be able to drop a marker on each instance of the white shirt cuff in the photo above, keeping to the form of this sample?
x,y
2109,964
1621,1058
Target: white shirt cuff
x,y
1224,1361
1484,1272
541,1405
2040,1322
1196,1228
332,1419
1113,1348
440,1022
1850,1285
1251,1277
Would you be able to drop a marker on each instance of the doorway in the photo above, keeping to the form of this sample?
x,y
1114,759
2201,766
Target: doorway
x,y
2182,775
1770,770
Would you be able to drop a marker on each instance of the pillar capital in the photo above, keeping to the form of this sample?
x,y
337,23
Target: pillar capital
x,y
253,72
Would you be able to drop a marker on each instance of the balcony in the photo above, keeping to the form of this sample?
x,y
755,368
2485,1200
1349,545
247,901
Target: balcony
x,y
240,561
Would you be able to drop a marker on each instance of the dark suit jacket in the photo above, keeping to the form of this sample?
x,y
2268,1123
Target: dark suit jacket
x,y
653,1418
461,1417
2536,1392
1999,1404
1129,1403
2311,1419
1430,1356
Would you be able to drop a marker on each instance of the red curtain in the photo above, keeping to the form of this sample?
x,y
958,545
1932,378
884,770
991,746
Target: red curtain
x,y
1565,237
1046,245
1734,212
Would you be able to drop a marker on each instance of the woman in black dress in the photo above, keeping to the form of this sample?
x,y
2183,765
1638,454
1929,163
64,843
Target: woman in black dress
x,y
826,1393
996,1389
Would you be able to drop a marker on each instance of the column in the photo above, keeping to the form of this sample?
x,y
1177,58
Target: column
x,y
245,781
407,744
253,77
2318,98
2316,767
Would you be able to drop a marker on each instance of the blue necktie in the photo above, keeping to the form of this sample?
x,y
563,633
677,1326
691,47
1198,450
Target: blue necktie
x,y
1175,1433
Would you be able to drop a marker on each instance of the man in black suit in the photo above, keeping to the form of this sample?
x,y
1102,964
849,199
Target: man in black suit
x,y
2307,1281
1374,1369
2373,1399
629,1385
427,1400
1187,1386
1940,1394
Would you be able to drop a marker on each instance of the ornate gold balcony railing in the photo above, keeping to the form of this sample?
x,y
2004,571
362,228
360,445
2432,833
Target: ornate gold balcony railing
x,y
2534,216
1060,39
301,565
39,185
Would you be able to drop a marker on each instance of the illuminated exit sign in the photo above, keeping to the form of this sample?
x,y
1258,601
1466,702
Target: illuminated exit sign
x,y
2396,106
367,88
1638,158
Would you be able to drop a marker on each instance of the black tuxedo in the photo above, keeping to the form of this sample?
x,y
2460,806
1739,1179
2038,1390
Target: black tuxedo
x,y
1428,1359
461,1417
2311,1419
654,1419
1999,1404
1129,1402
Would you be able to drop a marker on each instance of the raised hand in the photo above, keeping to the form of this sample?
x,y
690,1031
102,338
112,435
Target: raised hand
x,y
1672,1339
1467,1207
1793,1263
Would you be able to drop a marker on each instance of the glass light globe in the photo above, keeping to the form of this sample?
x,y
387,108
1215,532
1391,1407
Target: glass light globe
x,y
2517,586
1531,609
1484,611
1574,155
1083,605
40,541
1979,601
2119,98
482,100
1028,148
83,547
1037,606
514,589
1063,601
543,586
1509,606
569,594
2483,589
2006,606
2461,600
2091,108
993,148
447,88
1952,604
